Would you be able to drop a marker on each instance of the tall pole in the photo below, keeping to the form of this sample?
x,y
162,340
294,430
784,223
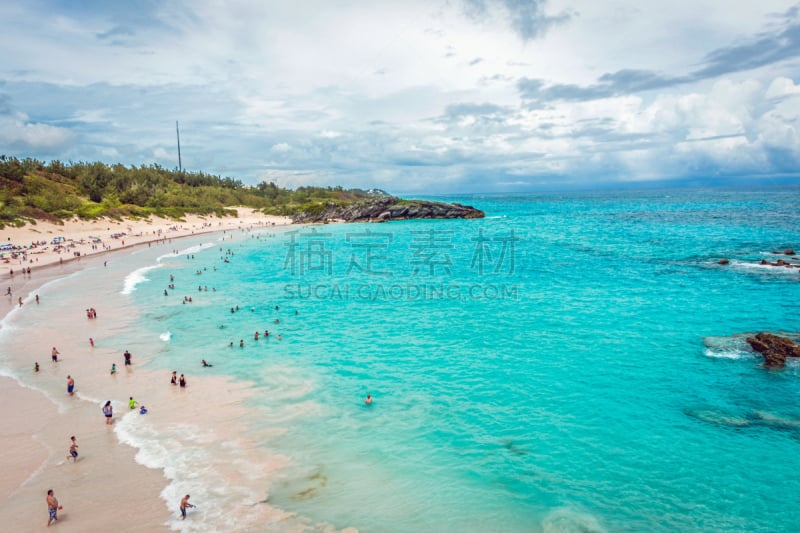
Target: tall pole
x,y
178,133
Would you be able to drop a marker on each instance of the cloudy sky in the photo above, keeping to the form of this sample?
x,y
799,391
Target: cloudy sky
x,y
411,95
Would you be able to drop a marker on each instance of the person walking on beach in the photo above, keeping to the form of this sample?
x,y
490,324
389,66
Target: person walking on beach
x,y
52,507
113,368
108,411
182,381
174,378
73,450
54,354
127,356
70,386
184,504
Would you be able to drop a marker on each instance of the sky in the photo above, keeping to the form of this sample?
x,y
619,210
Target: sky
x,y
411,96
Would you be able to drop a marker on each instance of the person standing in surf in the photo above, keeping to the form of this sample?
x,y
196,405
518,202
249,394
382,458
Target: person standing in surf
x,y
73,450
184,504
108,411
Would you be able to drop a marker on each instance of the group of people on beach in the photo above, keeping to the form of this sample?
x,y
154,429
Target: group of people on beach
x,y
10,292
175,380
107,408
24,271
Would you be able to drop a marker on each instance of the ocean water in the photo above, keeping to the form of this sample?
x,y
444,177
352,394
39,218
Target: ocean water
x,y
572,362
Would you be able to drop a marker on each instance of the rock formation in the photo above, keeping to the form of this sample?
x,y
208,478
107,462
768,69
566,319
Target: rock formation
x,y
383,209
774,348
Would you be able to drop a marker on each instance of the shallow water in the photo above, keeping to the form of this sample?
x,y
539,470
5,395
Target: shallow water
x,y
570,363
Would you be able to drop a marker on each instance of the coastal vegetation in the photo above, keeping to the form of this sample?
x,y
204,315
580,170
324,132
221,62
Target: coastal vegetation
x,y
33,190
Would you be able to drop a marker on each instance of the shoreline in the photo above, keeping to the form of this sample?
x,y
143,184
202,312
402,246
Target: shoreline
x,y
87,238
107,488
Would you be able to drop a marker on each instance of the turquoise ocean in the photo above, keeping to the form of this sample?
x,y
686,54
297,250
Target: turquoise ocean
x,y
571,362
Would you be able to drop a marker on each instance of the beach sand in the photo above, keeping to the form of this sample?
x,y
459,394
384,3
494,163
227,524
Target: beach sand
x,y
106,490
92,237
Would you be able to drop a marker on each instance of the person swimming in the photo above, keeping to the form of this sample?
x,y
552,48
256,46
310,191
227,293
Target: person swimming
x,y
206,364
368,401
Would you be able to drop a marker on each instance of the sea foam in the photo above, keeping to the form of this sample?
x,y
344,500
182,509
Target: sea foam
x,y
135,278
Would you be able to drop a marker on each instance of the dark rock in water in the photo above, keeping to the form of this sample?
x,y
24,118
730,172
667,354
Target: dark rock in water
x,y
385,208
723,262
775,349
788,251
780,263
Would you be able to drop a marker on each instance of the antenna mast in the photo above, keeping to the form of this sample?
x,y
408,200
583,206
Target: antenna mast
x,y
178,133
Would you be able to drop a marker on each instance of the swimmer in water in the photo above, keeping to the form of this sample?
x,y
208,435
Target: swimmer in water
x,y
368,401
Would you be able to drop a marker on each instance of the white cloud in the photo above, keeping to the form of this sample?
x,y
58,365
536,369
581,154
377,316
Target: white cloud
x,y
362,94
31,137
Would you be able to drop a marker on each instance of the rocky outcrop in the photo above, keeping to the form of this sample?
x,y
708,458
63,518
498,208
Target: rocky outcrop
x,y
383,209
774,348
780,263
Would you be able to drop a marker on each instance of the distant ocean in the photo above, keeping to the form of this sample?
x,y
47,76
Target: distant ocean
x,y
572,362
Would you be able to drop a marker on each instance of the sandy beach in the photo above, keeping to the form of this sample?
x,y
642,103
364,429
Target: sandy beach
x,y
106,489
45,243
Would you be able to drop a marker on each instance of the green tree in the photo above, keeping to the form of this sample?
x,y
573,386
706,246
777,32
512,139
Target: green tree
x,y
94,180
